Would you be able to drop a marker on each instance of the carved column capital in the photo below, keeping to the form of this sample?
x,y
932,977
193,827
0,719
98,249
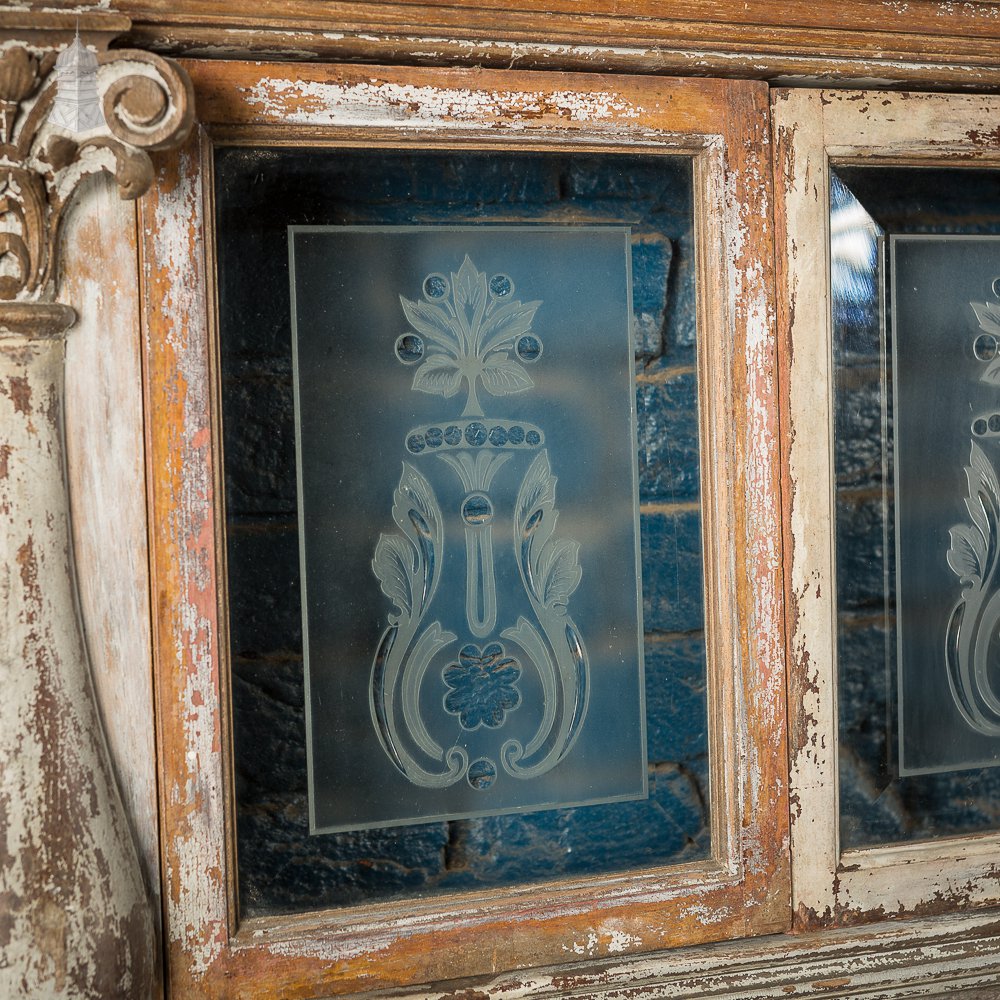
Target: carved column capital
x,y
147,105
75,917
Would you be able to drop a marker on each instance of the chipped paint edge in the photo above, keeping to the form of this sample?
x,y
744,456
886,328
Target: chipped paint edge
x,y
811,128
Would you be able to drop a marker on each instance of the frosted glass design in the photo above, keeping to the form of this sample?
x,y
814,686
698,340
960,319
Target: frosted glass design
x,y
946,364
468,524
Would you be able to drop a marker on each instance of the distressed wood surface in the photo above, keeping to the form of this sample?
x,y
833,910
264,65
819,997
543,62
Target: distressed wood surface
x,y
74,917
811,128
957,956
180,456
884,42
106,470
744,891
297,103
801,182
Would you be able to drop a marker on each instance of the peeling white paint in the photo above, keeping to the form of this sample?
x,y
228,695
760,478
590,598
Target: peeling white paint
x,y
517,51
619,941
585,947
813,127
196,915
382,103
72,900
708,915
605,940
104,442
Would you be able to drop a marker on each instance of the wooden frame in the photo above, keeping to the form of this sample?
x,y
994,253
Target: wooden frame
x,y
744,889
927,42
813,129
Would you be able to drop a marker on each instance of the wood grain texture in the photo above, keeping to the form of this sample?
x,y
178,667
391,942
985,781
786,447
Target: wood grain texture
x,y
801,222
955,956
743,892
75,916
106,470
184,573
884,42
75,921
811,128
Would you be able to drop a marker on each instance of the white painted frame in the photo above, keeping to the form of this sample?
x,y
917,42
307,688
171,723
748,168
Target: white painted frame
x,y
813,129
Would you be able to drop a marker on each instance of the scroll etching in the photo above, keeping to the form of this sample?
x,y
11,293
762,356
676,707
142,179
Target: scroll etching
x,y
971,642
468,330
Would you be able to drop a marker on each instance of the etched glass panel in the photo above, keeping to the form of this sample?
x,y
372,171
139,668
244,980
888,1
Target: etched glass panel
x,y
472,630
258,194
945,329
914,255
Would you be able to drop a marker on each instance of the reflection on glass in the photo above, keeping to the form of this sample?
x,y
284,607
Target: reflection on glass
x,y
947,499
259,193
501,664
906,381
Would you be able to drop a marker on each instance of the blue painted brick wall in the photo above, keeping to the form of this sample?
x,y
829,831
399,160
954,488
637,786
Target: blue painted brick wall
x,y
260,192
876,804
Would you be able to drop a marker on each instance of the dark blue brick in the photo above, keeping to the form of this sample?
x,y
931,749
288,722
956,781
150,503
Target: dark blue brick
x,y
269,729
682,315
860,549
871,811
856,330
264,610
864,687
254,303
655,182
670,827
485,180
667,416
870,805
651,257
858,428
261,192
953,804
877,806
672,571
676,706
259,435
282,868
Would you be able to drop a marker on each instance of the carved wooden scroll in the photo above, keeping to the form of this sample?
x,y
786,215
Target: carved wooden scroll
x,y
75,918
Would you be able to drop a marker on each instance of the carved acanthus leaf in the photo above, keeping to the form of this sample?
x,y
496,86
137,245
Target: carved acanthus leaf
x,y
19,73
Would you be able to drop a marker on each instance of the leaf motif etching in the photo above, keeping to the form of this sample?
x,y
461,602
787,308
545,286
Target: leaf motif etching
x,y
468,331
971,643
987,345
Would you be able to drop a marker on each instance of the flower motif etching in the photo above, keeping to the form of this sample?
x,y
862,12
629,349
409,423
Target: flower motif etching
x,y
469,328
482,686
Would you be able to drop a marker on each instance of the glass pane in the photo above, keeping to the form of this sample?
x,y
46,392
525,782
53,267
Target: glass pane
x,y
259,194
910,252
947,498
500,669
